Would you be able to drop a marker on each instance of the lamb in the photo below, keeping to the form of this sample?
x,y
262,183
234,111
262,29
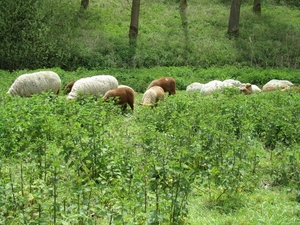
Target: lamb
x,y
196,86
35,83
167,83
95,85
121,96
275,84
152,96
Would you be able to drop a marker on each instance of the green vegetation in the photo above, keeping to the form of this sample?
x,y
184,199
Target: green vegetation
x,y
58,34
220,159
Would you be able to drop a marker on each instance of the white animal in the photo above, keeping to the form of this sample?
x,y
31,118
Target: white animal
x,y
211,87
275,84
152,96
232,82
95,85
35,83
196,86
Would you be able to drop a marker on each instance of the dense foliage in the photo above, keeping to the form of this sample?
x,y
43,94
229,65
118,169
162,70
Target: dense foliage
x,y
84,162
57,33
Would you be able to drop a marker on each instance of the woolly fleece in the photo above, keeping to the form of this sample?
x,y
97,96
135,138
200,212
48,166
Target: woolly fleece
x,y
95,85
152,95
35,83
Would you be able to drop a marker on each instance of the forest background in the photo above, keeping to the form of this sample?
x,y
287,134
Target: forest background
x,y
51,33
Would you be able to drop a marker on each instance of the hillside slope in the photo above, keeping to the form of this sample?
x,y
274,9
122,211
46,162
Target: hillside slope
x,y
269,40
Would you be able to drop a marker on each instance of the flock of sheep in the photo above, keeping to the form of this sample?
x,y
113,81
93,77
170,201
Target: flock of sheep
x,y
107,86
100,85
245,88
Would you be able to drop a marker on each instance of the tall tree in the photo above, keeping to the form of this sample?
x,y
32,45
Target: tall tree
x,y
183,5
84,4
234,18
134,22
257,6
184,23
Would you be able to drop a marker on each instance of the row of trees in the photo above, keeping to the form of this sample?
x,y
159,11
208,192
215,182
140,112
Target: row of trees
x,y
66,34
233,25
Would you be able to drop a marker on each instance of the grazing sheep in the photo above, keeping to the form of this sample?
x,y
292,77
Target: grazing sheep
x,y
69,86
167,83
121,96
122,85
232,83
95,85
211,87
291,88
194,87
152,95
35,83
275,84
248,89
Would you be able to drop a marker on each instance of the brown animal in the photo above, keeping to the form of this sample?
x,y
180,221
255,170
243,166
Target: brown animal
x,y
247,90
168,84
152,95
121,96
69,86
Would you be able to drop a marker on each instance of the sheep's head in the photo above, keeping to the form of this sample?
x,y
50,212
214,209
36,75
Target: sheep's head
x,y
245,91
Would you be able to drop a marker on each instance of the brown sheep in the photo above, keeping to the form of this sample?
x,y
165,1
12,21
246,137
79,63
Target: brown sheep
x,y
152,95
121,96
247,89
69,86
167,83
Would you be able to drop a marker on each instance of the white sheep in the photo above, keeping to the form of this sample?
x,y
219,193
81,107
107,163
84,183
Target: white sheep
x,y
35,83
232,82
95,85
196,86
211,87
275,84
152,95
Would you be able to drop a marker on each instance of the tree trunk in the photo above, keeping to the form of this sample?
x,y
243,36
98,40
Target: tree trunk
x,y
134,23
234,18
84,4
183,4
184,23
257,6
134,30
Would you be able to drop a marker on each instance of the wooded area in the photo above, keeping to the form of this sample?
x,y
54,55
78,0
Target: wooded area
x,y
83,34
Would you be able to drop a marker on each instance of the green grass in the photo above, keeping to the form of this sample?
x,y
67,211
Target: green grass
x,y
198,159
263,206
98,37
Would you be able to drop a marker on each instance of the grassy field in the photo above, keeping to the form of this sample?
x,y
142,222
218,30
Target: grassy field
x,y
226,158
97,38
220,159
